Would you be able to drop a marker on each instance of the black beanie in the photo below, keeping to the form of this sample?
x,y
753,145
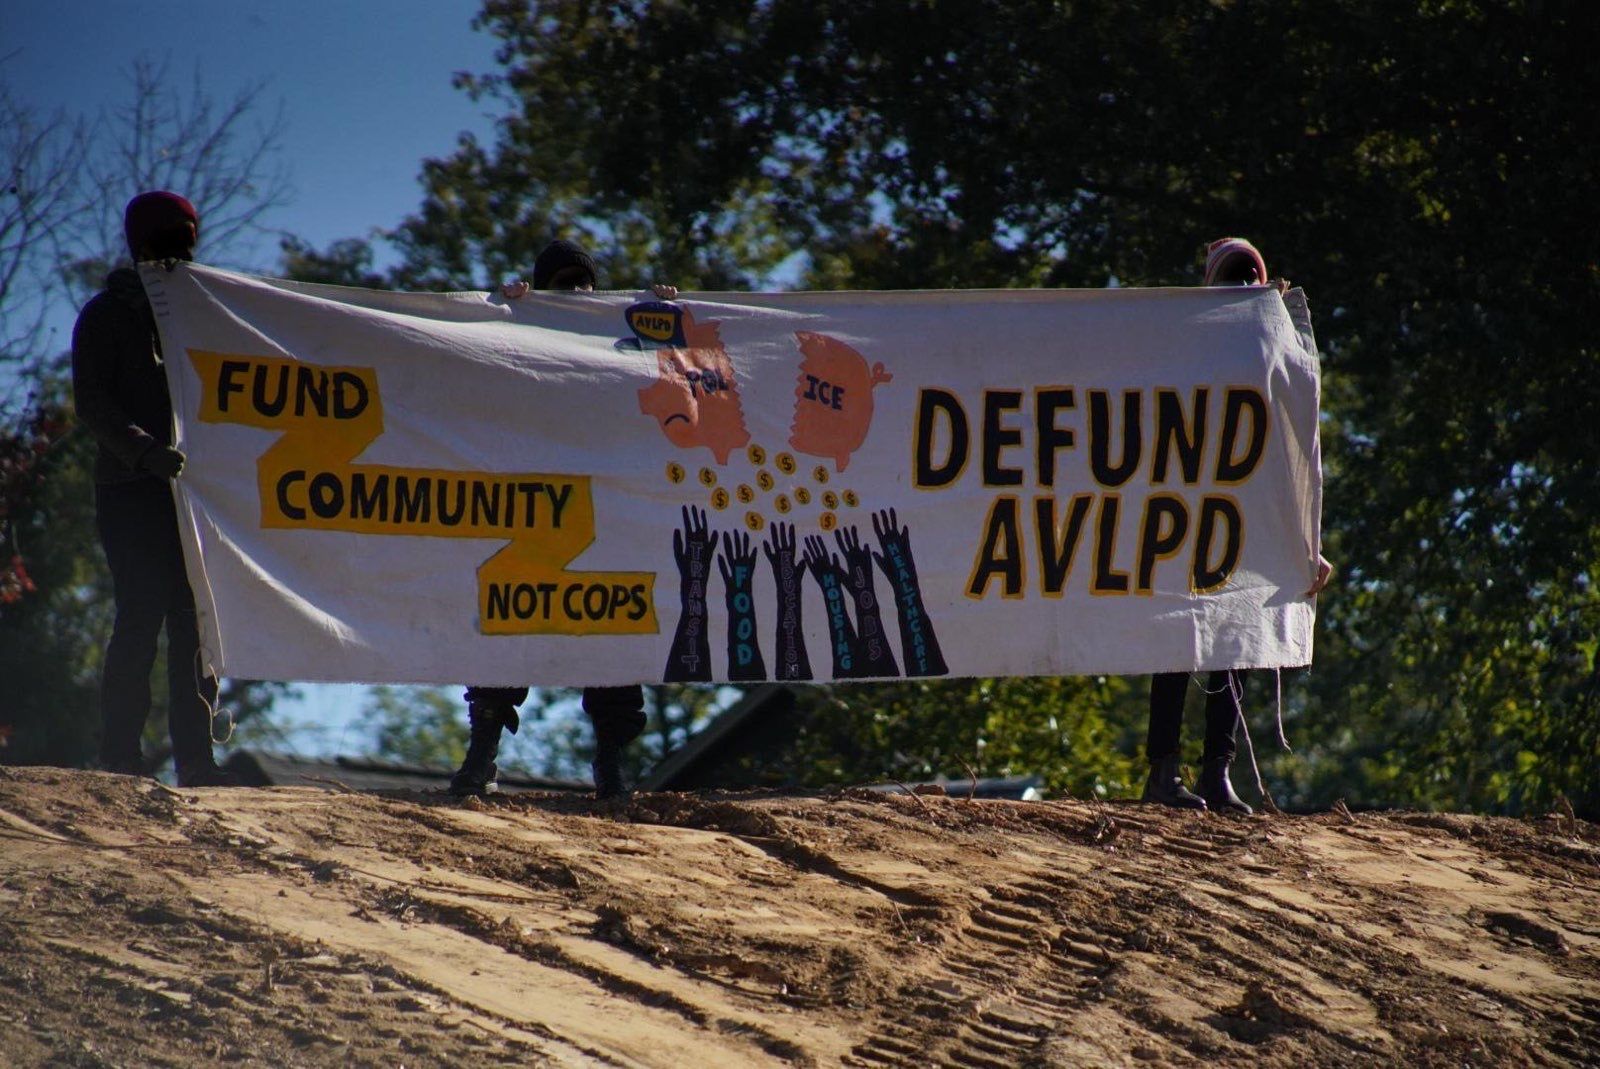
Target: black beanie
x,y
557,255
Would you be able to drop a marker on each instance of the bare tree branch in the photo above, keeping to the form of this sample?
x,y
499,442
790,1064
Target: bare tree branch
x,y
226,158
40,163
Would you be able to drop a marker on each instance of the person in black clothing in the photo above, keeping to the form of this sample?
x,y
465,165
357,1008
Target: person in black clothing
x,y
119,387
1229,262
617,713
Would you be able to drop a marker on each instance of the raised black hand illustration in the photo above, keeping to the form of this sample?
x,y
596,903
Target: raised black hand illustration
x,y
738,567
876,657
919,646
787,575
693,545
841,635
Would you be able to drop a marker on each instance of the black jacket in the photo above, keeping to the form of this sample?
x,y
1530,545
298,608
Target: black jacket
x,y
118,382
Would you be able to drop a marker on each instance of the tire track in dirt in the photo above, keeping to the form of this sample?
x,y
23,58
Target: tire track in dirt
x,y
305,928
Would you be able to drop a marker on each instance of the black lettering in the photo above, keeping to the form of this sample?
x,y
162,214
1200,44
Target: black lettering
x,y
998,438
258,392
1174,432
1056,554
529,490
499,606
558,501
293,512
1051,438
411,501
446,517
327,495
357,403
1001,552
485,503
1165,523
639,606
927,475
1107,580
1215,511
310,384
225,381
1105,472
364,505
1232,468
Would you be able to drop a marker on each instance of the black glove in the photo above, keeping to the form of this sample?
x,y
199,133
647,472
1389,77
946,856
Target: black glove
x,y
162,460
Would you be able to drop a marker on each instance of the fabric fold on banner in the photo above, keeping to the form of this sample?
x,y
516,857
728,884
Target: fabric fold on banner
x,y
606,488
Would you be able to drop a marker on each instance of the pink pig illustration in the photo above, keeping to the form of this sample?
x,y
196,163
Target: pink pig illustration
x,y
832,398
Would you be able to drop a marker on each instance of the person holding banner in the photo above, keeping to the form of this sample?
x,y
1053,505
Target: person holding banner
x,y
119,387
1229,262
617,713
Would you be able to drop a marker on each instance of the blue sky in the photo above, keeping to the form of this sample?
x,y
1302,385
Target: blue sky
x,y
365,86
366,92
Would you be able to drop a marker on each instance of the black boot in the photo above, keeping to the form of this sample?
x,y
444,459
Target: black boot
x,y
477,773
1166,786
1215,788
123,764
613,731
205,772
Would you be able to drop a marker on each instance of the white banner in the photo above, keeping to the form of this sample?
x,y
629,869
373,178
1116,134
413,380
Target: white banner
x,y
577,488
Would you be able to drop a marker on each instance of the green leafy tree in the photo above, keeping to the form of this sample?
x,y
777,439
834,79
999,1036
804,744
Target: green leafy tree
x,y
417,725
1420,170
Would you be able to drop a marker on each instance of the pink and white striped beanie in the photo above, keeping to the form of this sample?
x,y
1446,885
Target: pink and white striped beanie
x,y
1222,258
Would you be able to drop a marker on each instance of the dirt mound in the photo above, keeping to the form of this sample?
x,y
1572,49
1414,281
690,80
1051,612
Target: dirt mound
x,y
141,925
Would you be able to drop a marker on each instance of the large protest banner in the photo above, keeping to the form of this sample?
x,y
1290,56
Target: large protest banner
x,y
576,488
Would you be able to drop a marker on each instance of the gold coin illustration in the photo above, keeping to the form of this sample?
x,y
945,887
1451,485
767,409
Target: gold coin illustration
x,y
708,477
830,500
828,521
745,494
719,499
785,463
757,455
782,504
675,472
764,479
851,499
820,473
754,520
802,495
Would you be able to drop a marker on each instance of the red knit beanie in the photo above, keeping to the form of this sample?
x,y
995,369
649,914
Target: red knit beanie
x,y
160,221
1223,264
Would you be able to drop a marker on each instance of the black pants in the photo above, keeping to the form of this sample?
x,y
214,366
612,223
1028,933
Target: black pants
x,y
612,710
1223,713
139,530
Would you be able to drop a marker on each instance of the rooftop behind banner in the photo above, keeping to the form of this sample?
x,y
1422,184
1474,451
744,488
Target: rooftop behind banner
x,y
577,488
